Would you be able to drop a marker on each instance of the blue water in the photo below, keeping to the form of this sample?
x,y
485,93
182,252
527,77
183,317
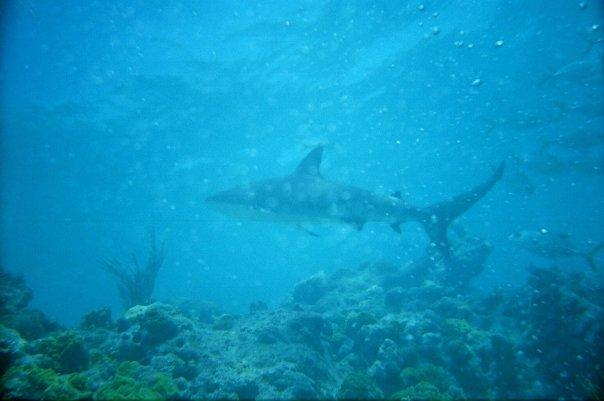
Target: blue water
x,y
120,118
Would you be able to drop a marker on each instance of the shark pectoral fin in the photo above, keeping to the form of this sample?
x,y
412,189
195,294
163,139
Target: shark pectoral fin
x,y
396,227
306,230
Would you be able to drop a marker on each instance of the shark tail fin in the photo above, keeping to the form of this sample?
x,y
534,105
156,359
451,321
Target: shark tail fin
x,y
590,256
437,218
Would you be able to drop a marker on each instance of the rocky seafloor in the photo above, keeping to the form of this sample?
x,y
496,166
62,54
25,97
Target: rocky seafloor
x,y
413,332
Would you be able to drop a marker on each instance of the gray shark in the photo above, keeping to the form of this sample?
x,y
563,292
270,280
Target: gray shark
x,y
306,196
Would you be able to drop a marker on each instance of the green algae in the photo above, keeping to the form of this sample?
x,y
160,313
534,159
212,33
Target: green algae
x,y
126,386
32,381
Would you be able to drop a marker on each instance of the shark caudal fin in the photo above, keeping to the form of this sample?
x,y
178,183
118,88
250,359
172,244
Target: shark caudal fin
x,y
590,256
437,218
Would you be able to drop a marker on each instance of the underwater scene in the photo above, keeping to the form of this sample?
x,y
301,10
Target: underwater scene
x,y
337,199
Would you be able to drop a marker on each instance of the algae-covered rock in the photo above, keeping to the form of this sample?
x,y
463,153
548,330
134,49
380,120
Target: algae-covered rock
x,y
128,384
100,318
358,386
68,387
174,366
355,321
244,387
310,290
224,322
33,382
151,325
258,306
394,298
456,328
65,351
11,347
31,324
427,373
308,328
14,298
14,294
423,391
268,335
289,383
385,370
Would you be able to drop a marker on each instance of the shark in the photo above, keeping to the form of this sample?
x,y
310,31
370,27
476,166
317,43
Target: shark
x,y
306,196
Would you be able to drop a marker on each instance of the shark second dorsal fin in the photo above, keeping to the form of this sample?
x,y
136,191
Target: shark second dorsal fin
x,y
311,163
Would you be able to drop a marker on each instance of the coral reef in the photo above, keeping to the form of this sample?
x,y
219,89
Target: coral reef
x,y
362,333
14,298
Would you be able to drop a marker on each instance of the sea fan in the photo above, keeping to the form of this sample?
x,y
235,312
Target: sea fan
x,y
135,283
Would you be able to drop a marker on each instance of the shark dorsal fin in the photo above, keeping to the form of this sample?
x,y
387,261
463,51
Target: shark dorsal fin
x,y
311,163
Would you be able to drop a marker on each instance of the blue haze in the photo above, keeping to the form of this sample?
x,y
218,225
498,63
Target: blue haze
x,y
118,118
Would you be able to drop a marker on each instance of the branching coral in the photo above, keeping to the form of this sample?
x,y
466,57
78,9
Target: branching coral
x,y
135,283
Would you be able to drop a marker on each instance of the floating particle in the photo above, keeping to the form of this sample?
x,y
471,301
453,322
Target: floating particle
x,y
435,30
434,15
458,43
421,7
583,5
470,45
499,43
543,231
476,82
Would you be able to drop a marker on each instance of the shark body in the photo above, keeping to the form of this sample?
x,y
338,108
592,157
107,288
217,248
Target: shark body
x,y
306,196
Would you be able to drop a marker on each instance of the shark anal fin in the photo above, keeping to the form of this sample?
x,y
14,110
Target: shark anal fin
x,y
311,164
396,227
